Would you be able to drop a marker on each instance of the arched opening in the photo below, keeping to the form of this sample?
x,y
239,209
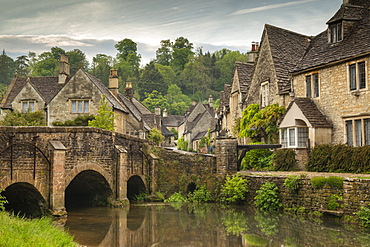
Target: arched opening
x,y
88,188
135,186
191,187
24,199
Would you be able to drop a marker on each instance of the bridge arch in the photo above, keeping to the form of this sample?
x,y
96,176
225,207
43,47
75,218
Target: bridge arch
x,y
85,167
24,199
135,186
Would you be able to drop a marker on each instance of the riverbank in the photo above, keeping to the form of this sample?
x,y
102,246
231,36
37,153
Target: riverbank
x,y
16,231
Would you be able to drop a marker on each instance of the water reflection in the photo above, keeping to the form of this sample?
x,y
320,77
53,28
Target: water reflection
x,y
204,225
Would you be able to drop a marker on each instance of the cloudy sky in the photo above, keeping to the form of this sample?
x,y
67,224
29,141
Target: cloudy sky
x,y
96,26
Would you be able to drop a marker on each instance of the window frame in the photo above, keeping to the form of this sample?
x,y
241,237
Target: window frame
x,y
357,131
312,81
28,102
80,106
335,32
297,140
357,75
264,94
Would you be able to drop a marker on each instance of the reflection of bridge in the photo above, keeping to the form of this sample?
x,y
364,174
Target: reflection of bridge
x,y
57,167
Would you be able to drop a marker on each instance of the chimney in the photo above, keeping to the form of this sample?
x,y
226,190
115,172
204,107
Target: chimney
x,y
345,1
253,53
129,92
113,82
165,113
63,69
157,111
210,101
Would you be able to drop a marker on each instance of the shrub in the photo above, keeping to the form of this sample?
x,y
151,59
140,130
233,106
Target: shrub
x,y
333,182
364,216
292,182
200,195
176,197
141,197
2,201
78,121
257,159
155,136
333,203
318,182
284,159
182,144
268,197
234,189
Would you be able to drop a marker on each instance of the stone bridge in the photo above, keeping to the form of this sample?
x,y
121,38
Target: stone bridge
x,y
53,168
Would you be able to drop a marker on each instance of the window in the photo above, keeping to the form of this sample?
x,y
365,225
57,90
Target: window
x,y
358,132
264,94
294,137
28,106
312,86
80,106
335,32
357,76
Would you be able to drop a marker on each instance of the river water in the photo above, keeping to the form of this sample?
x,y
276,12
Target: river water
x,y
203,225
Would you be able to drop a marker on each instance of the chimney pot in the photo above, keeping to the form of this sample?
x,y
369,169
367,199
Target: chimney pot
x,y
113,82
64,69
129,92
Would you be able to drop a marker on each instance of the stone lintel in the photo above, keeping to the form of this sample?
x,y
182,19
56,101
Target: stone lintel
x,y
56,145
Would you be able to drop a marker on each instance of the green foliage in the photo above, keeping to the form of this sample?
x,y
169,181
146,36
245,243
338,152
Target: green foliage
x,y
182,144
267,197
15,118
82,120
155,136
178,102
333,203
176,197
268,222
17,232
201,194
285,159
100,67
2,201
141,197
332,181
255,240
175,133
151,80
105,117
257,124
235,222
257,159
364,216
155,99
234,189
292,182
7,69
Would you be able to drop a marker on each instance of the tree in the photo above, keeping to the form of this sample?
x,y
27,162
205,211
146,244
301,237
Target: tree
x,y
258,124
7,69
155,99
164,53
182,51
151,79
127,51
178,102
76,59
21,64
155,136
46,65
167,72
105,117
100,67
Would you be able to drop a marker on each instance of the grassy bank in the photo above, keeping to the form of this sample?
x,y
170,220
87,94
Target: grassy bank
x,y
16,232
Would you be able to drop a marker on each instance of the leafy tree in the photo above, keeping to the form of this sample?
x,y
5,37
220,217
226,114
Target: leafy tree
x,y
21,64
258,124
100,67
77,59
7,68
46,65
151,79
15,118
57,52
164,53
178,102
167,72
127,51
105,117
155,99
182,51
155,136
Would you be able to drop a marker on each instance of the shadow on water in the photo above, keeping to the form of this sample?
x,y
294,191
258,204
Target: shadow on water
x,y
204,225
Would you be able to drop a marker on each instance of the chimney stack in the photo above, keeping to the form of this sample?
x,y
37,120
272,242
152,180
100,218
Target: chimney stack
x,y
157,111
210,101
113,82
253,53
129,92
63,69
165,113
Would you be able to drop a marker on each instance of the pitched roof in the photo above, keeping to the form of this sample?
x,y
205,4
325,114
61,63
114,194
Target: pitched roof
x,y
46,86
224,97
244,71
309,109
172,120
357,42
287,48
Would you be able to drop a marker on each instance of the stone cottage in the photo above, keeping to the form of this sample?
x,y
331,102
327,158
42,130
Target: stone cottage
x,y
64,97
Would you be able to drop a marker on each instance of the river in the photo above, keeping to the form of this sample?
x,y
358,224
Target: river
x,y
203,225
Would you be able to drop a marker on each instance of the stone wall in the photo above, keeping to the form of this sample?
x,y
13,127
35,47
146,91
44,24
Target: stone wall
x,y
356,193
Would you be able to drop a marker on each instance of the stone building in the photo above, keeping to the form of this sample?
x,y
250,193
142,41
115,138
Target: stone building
x,y
65,97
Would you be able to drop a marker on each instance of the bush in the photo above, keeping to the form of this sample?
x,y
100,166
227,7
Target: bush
x,y
200,195
268,197
284,159
78,121
2,201
234,189
155,136
15,118
333,203
182,144
176,197
292,182
364,216
257,159
333,182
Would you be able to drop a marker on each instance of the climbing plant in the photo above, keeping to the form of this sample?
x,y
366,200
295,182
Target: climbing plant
x,y
105,117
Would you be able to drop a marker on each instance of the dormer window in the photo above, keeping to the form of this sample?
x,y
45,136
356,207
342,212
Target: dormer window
x,y
335,32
